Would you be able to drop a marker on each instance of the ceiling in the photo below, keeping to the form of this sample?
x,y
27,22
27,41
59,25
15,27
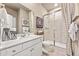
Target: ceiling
x,y
15,6
50,6
47,6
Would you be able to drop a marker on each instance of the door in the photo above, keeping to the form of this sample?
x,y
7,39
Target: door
x,y
54,27
49,27
60,27
26,52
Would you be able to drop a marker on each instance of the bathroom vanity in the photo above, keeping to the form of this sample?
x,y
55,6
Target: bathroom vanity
x,y
10,43
23,46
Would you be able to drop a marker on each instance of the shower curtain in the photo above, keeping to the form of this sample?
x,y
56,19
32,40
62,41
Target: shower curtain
x,y
68,13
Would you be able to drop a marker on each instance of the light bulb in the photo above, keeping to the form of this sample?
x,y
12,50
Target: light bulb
x,y
55,4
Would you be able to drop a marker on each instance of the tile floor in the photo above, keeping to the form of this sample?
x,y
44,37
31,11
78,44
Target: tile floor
x,y
57,52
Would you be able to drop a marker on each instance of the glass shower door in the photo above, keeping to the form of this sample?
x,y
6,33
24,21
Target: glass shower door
x,y
60,27
49,27
54,27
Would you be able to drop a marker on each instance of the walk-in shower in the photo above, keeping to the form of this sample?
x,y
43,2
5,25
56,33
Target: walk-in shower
x,y
54,29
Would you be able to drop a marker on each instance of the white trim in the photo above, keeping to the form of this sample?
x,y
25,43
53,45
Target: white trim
x,y
58,44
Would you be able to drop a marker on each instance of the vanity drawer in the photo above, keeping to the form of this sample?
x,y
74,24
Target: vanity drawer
x,y
13,50
26,52
30,43
3,53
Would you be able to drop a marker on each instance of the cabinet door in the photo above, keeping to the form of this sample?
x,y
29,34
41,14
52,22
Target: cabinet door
x,y
37,50
13,50
26,52
3,53
30,43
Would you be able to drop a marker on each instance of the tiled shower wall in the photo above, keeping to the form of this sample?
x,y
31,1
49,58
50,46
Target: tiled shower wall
x,y
55,27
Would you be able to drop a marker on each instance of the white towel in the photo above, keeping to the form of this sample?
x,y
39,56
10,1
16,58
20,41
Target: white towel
x,y
3,17
3,13
72,31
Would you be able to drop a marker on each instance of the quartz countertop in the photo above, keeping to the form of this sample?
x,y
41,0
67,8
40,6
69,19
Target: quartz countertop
x,y
19,40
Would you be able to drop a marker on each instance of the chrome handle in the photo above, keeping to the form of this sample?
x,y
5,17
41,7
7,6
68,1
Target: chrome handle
x,y
14,51
32,49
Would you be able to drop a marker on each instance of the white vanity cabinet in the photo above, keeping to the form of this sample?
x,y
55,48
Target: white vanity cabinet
x,y
32,48
28,48
36,50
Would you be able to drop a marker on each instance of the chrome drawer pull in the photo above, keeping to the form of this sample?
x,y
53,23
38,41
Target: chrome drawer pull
x,y
32,49
14,51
